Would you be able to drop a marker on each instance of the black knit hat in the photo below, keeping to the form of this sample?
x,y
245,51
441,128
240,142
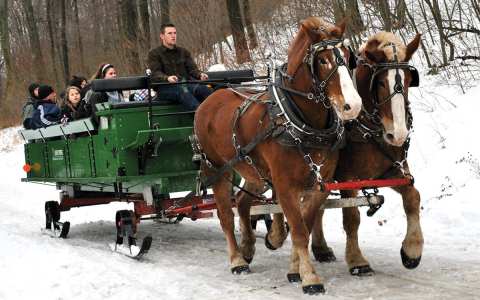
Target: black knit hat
x,y
44,91
31,89
77,81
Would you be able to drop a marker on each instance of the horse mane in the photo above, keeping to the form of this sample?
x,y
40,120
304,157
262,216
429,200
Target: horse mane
x,y
381,41
312,30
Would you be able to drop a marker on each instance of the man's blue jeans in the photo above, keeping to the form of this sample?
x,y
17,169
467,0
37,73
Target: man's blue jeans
x,y
189,95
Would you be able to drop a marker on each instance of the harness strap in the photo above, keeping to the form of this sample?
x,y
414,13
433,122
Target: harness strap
x,y
241,154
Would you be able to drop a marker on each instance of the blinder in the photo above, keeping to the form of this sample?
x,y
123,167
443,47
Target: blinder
x,y
352,60
415,77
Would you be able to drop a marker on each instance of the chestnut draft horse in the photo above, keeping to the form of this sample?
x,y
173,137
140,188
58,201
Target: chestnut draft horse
x,y
287,137
377,145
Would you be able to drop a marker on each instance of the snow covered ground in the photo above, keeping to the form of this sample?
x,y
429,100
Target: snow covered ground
x,y
189,260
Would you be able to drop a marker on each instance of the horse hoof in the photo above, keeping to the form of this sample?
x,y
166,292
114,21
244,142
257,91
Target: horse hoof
x,y
241,270
294,277
320,256
362,271
313,289
268,244
248,259
409,263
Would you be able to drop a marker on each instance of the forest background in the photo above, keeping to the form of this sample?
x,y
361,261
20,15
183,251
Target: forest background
x,y
48,41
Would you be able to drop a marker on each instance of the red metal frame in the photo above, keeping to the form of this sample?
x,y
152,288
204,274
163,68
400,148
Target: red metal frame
x,y
362,184
200,207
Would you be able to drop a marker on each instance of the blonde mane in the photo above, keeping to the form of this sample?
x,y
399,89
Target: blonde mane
x,y
384,39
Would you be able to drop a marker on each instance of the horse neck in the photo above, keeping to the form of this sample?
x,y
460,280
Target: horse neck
x,y
316,114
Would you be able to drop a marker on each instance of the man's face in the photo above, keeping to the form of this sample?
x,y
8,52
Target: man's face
x,y
169,38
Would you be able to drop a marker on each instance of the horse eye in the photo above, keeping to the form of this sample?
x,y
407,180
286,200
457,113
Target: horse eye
x,y
381,83
322,61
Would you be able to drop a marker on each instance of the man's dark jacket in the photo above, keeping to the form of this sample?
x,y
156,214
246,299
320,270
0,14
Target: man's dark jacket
x,y
166,62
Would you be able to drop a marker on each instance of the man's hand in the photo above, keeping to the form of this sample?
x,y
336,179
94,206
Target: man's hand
x,y
203,76
172,79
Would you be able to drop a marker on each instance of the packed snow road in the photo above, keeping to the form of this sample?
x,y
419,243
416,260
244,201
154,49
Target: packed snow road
x,y
189,261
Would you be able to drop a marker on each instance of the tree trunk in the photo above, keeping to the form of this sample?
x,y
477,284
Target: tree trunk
x,y
384,9
252,36
400,8
356,25
165,12
145,19
38,64
64,42
50,14
5,50
129,33
79,38
238,32
424,49
435,9
338,10
476,8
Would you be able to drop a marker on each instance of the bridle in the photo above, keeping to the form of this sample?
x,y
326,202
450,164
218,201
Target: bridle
x,y
319,87
398,88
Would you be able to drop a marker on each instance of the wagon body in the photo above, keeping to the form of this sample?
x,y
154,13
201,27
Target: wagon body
x,y
121,154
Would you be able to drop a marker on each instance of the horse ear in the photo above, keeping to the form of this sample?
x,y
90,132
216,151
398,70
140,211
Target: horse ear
x,y
412,47
298,50
340,28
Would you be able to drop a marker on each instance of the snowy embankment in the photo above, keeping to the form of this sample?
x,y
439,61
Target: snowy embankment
x,y
189,260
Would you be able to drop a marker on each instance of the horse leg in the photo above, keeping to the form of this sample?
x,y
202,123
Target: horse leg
x,y
320,249
357,264
412,245
300,220
222,191
277,234
244,203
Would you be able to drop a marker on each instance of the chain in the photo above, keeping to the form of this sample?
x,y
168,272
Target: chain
x,y
314,168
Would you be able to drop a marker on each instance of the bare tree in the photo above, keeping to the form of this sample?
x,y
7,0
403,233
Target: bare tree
x,y
129,33
252,36
437,16
79,36
64,42
145,20
50,15
38,63
238,32
165,12
5,49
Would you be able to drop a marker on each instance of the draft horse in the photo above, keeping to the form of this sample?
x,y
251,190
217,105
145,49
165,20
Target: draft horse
x,y
377,145
286,137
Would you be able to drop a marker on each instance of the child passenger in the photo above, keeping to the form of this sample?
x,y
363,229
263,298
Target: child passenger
x,y
46,111
73,107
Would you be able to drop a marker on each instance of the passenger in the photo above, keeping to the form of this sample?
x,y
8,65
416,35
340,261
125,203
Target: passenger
x,y
80,82
73,107
170,63
29,106
46,111
105,71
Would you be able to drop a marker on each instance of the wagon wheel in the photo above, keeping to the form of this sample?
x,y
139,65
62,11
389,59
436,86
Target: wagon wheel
x,y
126,226
52,214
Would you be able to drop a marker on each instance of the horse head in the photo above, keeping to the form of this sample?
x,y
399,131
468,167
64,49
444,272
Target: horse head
x,y
318,63
387,75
